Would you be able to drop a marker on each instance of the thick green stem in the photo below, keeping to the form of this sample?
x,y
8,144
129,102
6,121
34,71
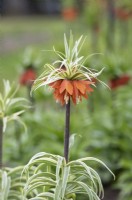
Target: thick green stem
x,y
67,132
1,143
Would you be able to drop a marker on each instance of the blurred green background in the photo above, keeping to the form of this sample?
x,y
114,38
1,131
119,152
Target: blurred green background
x,y
103,124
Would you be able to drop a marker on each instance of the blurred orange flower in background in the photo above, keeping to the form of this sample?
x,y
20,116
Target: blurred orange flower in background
x,y
27,77
119,81
69,14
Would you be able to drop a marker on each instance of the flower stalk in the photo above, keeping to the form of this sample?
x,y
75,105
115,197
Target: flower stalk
x,y
1,144
67,132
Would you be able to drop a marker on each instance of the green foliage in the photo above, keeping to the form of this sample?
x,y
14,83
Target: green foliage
x,y
11,183
11,107
31,57
125,181
68,3
92,13
5,185
124,4
55,179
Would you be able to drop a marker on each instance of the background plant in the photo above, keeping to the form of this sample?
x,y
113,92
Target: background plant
x,y
11,107
53,178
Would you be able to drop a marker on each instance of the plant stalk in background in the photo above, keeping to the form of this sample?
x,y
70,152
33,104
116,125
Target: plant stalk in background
x,y
1,143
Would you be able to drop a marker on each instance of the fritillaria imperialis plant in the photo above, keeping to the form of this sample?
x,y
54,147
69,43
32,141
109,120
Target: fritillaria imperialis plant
x,y
27,78
55,177
119,81
11,107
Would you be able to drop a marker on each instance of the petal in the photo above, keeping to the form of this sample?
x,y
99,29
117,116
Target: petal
x,y
59,97
62,86
66,85
85,95
56,94
75,92
80,86
74,100
89,89
66,97
56,84
86,82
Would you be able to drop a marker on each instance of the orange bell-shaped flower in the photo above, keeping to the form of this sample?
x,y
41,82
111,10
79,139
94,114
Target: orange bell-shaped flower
x,y
75,89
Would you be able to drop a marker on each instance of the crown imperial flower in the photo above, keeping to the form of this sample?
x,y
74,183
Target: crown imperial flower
x,y
28,76
71,80
119,81
76,89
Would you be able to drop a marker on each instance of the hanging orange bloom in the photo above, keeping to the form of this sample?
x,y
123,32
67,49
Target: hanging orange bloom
x,y
72,80
28,76
69,14
75,89
123,14
119,81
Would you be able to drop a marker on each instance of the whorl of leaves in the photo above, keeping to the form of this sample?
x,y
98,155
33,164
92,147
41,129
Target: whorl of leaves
x,y
55,179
